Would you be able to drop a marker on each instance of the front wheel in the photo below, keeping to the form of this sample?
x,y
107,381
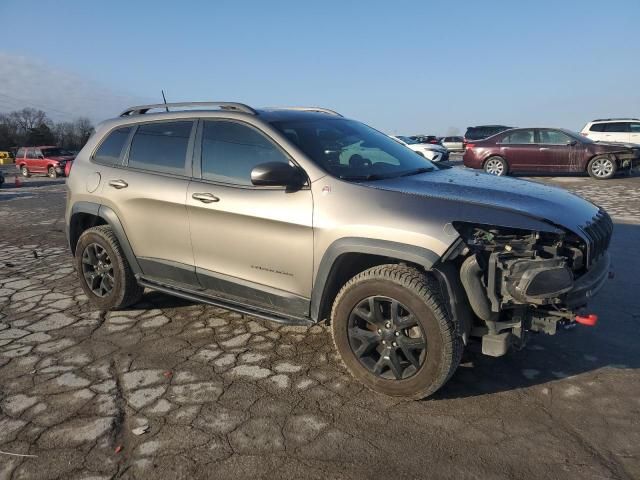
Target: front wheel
x,y
602,167
496,166
105,275
393,332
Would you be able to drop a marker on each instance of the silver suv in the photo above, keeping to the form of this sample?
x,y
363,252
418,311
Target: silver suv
x,y
299,215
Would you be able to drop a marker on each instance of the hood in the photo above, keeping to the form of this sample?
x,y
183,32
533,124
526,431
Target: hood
x,y
433,146
62,158
549,204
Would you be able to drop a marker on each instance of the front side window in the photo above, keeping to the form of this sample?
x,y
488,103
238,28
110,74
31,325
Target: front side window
x,y
351,150
110,151
520,137
617,127
554,137
161,147
231,150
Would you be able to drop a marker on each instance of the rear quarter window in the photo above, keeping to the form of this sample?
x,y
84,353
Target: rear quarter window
x,y
20,153
111,150
597,127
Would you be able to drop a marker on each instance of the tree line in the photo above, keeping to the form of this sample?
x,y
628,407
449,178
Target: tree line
x,y
31,127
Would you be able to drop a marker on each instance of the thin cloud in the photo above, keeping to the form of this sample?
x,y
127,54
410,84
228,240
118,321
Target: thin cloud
x,y
63,95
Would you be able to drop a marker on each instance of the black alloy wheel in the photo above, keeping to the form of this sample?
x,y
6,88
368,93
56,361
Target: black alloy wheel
x,y
386,338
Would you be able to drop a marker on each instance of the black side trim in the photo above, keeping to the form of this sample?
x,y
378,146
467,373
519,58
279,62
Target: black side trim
x,y
114,222
454,294
167,270
236,289
80,207
224,303
400,251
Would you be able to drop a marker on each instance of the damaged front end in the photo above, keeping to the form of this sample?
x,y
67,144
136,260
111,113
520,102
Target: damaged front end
x,y
519,281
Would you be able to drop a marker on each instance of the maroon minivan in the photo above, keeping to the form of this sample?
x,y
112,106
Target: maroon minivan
x,y
548,150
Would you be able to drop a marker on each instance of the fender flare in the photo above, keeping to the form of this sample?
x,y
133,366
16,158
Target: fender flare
x,y
111,218
385,248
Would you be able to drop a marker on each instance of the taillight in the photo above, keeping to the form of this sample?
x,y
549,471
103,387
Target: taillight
x,y
584,134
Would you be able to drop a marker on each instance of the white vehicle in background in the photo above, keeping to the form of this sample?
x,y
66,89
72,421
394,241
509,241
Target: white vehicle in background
x,y
431,151
615,130
453,144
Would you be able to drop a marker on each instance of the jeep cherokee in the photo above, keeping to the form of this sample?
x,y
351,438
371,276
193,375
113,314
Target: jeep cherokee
x,y
300,215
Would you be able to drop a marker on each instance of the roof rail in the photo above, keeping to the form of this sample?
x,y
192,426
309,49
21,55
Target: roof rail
x,y
233,106
609,119
307,109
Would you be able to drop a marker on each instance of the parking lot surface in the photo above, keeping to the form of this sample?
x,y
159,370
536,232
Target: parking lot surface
x,y
171,389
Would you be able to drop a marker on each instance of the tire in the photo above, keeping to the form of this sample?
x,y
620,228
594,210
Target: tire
x,y
418,296
51,172
602,167
496,166
24,171
124,289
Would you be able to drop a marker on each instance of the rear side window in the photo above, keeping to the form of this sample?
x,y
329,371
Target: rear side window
x,y
161,147
110,150
31,153
634,127
520,137
597,127
617,127
20,153
231,150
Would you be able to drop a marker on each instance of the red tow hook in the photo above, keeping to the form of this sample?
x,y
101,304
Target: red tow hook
x,y
588,320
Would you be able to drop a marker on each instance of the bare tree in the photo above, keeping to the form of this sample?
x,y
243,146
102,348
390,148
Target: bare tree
x,y
29,118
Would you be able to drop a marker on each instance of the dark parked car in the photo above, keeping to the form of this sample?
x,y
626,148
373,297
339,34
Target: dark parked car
x,y
483,131
548,150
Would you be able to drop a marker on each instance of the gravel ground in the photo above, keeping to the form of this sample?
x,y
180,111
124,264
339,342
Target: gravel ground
x,y
171,389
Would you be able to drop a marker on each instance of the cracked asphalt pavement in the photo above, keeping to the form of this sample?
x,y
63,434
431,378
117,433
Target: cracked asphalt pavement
x,y
171,389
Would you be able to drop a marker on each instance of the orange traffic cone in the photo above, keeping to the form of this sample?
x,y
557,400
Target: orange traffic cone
x,y
18,182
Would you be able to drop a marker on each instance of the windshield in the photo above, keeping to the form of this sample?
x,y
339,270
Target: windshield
x,y
351,150
408,141
54,152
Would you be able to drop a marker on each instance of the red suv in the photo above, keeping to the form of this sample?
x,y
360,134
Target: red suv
x,y
45,159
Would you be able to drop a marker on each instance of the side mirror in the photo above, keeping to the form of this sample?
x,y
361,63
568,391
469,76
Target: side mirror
x,y
572,143
277,174
40,156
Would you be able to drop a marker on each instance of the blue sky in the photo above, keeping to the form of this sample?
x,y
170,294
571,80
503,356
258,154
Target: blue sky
x,y
405,67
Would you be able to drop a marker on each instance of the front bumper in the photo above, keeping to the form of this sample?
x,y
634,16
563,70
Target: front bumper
x,y
588,285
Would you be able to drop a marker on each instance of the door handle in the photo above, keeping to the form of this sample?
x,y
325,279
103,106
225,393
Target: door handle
x,y
542,149
118,184
205,197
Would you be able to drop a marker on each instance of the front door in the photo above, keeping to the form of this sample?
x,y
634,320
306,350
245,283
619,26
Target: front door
x,y
559,152
251,244
147,192
520,150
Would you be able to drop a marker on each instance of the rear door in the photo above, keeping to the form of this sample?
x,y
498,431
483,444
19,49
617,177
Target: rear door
x,y
147,191
251,244
616,132
634,132
33,163
520,150
558,152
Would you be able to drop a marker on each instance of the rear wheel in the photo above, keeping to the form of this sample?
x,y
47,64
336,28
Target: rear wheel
x,y
24,171
602,167
496,166
105,275
51,172
393,332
